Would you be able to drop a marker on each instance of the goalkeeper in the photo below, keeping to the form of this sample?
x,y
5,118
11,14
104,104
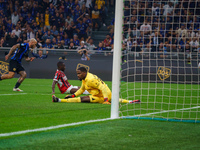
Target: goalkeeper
x,y
100,92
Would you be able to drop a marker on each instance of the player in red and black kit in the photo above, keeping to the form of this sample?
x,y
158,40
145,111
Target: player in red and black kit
x,y
61,80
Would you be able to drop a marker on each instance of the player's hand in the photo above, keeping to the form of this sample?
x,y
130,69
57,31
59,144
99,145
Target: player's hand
x,y
70,96
106,101
6,57
32,58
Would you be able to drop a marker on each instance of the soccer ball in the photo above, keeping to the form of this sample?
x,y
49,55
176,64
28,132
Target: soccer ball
x,y
199,65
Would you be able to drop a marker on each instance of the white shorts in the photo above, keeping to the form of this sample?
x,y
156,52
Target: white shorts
x,y
69,89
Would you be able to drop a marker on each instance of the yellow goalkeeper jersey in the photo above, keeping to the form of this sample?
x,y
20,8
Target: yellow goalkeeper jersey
x,y
94,86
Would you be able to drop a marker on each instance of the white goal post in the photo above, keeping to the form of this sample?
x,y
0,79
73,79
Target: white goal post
x,y
117,58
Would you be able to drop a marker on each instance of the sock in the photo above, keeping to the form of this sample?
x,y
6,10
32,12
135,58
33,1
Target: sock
x,y
17,85
0,78
124,101
86,92
71,100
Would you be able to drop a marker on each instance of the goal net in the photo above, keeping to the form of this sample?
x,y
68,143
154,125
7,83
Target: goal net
x,y
160,57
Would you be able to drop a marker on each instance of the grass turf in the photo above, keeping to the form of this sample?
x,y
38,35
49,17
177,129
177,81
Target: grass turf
x,y
33,109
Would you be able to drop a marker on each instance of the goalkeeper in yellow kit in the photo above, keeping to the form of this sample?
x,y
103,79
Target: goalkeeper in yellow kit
x,y
100,92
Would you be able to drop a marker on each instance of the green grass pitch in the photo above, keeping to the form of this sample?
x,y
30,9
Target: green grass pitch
x,y
33,109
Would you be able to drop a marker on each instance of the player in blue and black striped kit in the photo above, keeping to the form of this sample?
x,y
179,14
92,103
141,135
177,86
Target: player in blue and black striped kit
x,y
20,51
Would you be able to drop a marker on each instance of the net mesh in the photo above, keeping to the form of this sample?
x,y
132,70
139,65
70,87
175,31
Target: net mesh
x,y
160,59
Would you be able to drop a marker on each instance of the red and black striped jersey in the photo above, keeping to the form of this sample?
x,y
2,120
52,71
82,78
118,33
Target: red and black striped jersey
x,y
62,82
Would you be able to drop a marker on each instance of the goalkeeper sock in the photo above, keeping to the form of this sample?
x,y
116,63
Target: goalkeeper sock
x,y
123,101
71,100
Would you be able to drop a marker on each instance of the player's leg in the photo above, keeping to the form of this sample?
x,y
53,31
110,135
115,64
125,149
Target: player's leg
x,y
129,101
83,99
7,76
19,81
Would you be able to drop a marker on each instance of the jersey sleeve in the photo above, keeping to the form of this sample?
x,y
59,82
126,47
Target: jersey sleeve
x,y
81,90
57,76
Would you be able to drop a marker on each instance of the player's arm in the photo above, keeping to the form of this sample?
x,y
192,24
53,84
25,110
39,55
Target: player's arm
x,y
13,48
53,86
77,93
29,58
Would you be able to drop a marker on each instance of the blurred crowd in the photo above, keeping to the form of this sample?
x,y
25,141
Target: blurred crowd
x,y
56,24
162,26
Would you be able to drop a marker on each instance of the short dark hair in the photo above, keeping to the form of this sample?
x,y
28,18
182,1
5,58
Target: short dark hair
x,y
60,63
82,69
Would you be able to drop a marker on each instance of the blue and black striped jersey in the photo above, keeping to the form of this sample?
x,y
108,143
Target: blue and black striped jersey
x,y
21,52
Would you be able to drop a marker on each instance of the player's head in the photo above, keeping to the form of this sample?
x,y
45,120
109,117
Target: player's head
x,y
61,66
81,73
32,43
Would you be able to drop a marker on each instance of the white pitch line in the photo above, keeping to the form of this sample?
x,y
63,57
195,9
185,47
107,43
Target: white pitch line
x,y
13,94
165,111
83,122
52,127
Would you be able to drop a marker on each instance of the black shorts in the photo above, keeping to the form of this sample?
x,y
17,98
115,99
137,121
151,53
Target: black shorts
x,y
15,66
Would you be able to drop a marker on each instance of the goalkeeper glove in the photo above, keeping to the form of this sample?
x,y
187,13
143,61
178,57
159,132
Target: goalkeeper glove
x,y
70,96
106,101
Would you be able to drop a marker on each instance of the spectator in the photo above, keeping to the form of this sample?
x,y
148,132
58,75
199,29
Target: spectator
x,y
30,33
14,18
89,43
54,42
76,40
82,29
47,46
59,46
40,55
72,46
54,31
47,36
69,31
76,13
17,31
82,50
135,31
39,35
107,41
68,19
9,26
11,39
66,39
168,9
146,28
29,19
82,46
23,37
100,47
182,31
47,19
2,42
135,47
96,17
